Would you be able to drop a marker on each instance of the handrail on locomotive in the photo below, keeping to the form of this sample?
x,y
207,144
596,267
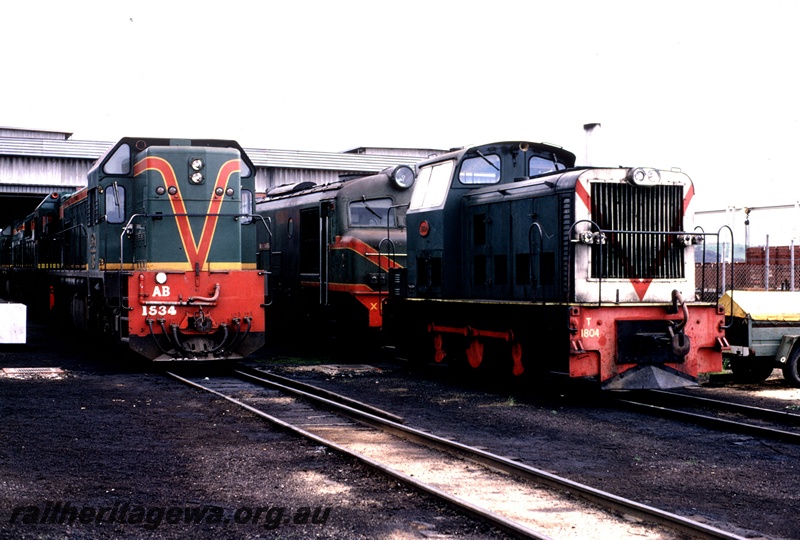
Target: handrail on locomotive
x,y
679,341
200,301
391,253
537,285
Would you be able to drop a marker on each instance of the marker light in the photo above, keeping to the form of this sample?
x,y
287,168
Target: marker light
x,y
424,228
403,176
161,278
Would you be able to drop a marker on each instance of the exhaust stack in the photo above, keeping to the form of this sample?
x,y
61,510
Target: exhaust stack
x,y
590,129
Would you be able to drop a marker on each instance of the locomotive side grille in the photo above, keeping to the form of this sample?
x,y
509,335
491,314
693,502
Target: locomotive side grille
x,y
638,211
567,219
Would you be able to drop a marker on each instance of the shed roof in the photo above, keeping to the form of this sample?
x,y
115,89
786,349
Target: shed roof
x,y
288,159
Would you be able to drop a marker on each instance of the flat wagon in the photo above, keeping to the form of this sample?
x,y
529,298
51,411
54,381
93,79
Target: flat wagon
x,y
763,332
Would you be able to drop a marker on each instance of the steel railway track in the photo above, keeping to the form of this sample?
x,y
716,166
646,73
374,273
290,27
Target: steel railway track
x,y
717,414
522,501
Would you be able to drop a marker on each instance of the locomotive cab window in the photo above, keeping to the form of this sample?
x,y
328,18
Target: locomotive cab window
x,y
244,170
115,204
246,207
119,162
480,170
431,185
372,213
543,165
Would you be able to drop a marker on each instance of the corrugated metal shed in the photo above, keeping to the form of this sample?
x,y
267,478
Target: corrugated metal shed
x,y
421,153
325,161
289,159
35,189
34,162
13,146
23,133
23,170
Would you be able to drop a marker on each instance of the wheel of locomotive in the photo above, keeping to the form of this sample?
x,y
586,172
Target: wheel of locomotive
x,y
78,312
753,370
791,371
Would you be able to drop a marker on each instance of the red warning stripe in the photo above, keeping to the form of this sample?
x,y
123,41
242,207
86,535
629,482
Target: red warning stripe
x,y
197,252
365,250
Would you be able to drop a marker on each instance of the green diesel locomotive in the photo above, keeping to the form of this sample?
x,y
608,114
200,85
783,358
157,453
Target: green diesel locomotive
x,y
157,251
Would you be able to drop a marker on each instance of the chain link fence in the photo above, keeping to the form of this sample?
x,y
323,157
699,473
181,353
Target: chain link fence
x,y
774,268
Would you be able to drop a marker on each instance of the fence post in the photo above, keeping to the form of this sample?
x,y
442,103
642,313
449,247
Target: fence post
x,y
724,267
766,267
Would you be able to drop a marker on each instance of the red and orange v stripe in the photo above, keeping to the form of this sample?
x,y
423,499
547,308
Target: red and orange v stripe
x,y
197,253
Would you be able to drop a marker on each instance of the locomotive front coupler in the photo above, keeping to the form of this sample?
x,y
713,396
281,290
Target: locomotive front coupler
x,y
219,348
680,342
201,323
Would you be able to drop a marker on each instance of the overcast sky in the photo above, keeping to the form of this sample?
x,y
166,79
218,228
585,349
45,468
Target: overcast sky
x,y
710,87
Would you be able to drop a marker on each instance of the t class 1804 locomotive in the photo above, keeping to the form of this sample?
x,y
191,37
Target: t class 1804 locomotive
x,y
519,261
157,251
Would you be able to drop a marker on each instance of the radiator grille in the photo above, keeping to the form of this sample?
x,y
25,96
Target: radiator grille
x,y
640,213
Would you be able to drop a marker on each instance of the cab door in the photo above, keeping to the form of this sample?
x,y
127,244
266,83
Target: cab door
x,y
314,250
488,249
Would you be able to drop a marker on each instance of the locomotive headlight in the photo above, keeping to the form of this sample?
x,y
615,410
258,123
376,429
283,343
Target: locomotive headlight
x,y
161,278
585,237
196,166
590,238
642,176
690,239
403,176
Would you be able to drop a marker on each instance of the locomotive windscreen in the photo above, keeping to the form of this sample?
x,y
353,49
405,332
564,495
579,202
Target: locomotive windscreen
x,y
638,216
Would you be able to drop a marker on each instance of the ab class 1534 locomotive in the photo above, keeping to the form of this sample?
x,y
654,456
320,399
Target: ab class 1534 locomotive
x,y
156,252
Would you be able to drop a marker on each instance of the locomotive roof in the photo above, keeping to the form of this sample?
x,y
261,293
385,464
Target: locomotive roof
x,y
138,144
565,156
373,183
565,180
